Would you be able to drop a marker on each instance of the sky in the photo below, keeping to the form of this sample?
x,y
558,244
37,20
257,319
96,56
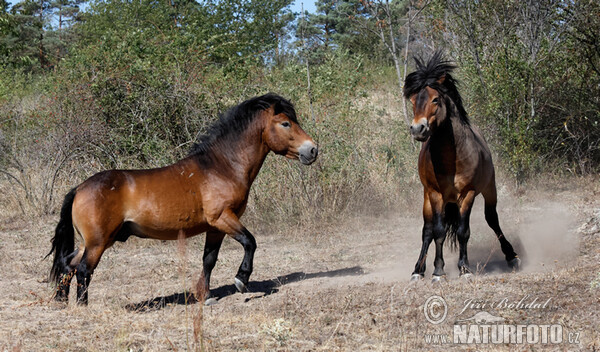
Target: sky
x,y
309,5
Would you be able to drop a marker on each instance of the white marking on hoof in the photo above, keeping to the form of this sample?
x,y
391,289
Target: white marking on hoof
x,y
416,277
210,301
438,279
515,264
240,286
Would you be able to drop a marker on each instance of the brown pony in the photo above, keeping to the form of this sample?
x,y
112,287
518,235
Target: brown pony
x,y
205,192
455,165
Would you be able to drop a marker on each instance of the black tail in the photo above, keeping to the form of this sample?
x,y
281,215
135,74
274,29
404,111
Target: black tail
x,y
63,243
452,221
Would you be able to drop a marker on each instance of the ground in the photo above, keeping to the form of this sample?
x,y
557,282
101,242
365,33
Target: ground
x,y
343,287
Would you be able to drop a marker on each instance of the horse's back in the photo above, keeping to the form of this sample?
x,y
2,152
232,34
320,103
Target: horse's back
x,y
486,174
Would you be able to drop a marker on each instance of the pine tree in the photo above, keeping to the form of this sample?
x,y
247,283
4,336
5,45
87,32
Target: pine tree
x,y
24,40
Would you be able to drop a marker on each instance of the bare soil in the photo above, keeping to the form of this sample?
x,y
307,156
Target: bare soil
x,y
342,287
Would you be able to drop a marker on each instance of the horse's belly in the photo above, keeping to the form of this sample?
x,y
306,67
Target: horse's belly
x,y
163,231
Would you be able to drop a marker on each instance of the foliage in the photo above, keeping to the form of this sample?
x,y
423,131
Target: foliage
x,y
131,84
352,26
29,40
530,68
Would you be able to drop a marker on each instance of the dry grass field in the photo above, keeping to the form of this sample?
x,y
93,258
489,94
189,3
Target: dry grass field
x,y
316,288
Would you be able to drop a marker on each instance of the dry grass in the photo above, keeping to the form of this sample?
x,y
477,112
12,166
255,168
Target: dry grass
x,y
329,288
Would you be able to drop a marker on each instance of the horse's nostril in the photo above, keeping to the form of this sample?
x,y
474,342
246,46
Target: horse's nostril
x,y
421,128
313,152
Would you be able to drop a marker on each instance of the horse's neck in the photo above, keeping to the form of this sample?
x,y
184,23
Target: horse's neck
x,y
452,135
242,159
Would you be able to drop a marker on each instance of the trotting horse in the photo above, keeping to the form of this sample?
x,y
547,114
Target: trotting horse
x,y
455,165
205,192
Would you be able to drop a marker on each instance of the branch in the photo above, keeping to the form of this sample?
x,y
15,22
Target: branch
x,y
11,176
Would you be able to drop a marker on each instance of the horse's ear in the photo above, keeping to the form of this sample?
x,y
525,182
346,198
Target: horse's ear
x,y
277,108
441,79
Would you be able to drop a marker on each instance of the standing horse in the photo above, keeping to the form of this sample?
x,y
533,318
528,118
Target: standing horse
x,y
455,165
205,192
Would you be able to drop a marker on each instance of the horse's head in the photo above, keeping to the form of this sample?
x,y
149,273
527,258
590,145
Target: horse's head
x,y
284,136
429,111
432,91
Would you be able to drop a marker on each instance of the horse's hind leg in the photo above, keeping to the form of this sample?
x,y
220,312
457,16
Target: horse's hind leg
x,y
463,233
85,269
211,252
64,285
491,216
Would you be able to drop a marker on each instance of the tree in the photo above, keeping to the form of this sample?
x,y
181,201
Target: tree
x,y
379,29
28,36
388,17
66,14
246,29
524,62
23,39
6,29
335,26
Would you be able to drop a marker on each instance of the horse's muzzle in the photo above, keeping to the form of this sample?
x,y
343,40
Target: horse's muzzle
x,y
308,153
420,130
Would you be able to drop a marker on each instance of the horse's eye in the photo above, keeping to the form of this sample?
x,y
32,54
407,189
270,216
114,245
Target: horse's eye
x,y
435,101
286,124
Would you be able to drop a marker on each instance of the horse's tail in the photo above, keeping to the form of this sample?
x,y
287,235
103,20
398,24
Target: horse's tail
x,y
452,221
63,243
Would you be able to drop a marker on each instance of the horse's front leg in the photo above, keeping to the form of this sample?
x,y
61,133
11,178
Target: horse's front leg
x,y
426,238
439,235
431,230
229,223
243,275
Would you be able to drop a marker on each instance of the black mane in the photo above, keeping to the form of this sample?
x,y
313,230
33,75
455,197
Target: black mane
x,y
233,122
428,76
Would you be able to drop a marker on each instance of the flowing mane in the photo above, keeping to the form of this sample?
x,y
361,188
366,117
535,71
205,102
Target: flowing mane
x,y
428,76
233,122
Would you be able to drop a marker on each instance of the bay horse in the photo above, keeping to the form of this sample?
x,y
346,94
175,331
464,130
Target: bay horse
x,y
205,192
455,165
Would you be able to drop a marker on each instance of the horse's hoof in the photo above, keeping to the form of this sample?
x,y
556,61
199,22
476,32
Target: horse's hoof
x,y
61,299
515,264
416,277
240,286
210,301
437,279
467,276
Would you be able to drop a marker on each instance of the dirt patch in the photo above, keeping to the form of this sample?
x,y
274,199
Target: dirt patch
x,y
343,288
